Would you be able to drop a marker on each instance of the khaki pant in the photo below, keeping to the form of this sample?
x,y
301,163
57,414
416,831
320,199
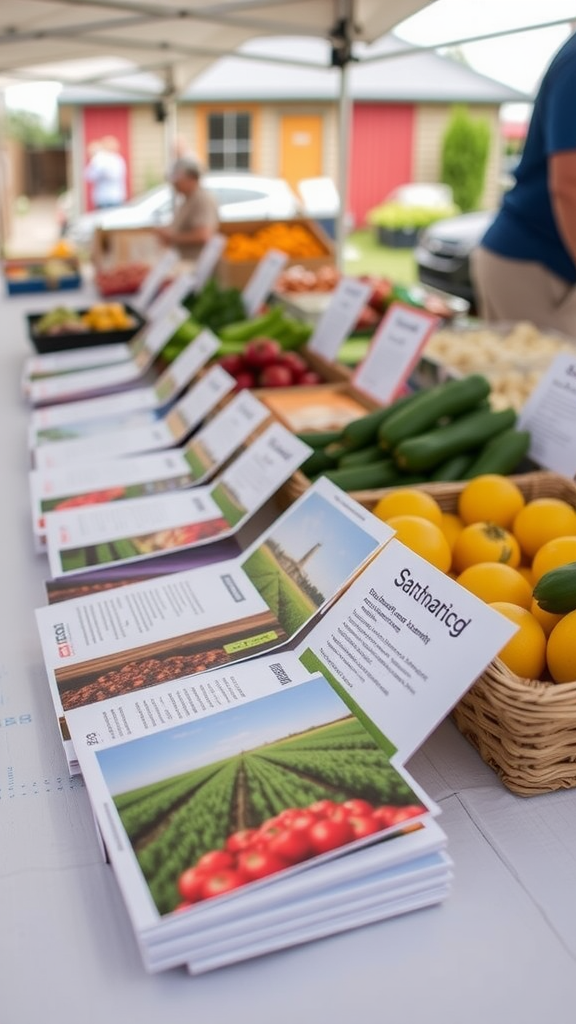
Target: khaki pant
x,y
512,290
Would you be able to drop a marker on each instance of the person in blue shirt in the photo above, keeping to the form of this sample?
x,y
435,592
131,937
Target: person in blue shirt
x,y
525,265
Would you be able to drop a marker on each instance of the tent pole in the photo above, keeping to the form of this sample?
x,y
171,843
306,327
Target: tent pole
x,y
344,117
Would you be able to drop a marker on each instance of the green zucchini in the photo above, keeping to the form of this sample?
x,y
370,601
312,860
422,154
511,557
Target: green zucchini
x,y
362,457
453,468
364,431
428,450
451,398
319,438
555,591
362,478
501,454
318,462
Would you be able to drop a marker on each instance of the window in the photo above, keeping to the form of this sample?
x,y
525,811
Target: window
x,y
229,142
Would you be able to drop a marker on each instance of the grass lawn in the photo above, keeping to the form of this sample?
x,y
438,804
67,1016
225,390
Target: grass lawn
x,y
363,255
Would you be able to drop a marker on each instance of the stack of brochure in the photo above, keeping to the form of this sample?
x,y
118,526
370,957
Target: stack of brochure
x,y
241,717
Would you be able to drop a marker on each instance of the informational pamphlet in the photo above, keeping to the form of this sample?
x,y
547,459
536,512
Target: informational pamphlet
x,y
155,278
135,476
114,642
173,428
256,806
394,351
262,281
129,529
55,423
339,317
145,346
550,416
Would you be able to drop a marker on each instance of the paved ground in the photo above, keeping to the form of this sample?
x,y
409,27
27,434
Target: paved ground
x,y
34,231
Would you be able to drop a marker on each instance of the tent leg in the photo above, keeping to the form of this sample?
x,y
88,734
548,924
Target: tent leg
x,y
344,115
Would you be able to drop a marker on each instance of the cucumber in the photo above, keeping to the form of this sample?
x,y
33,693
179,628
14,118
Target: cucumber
x,y
453,468
319,438
501,454
451,398
555,591
364,430
318,462
428,450
361,478
362,457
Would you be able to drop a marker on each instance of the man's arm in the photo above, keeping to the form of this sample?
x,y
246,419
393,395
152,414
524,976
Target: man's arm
x,y
562,185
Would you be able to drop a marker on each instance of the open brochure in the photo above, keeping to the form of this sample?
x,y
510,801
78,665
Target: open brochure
x,y
178,625
173,427
69,384
68,420
137,528
265,803
152,473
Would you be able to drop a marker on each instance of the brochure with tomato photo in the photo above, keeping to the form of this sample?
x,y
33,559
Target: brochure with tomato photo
x,y
108,644
62,422
175,425
128,529
269,780
136,476
66,385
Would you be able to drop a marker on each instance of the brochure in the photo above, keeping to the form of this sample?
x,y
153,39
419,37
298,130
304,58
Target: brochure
x,y
53,490
339,318
177,423
550,416
181,624
67,385
67,420
265,803
128,529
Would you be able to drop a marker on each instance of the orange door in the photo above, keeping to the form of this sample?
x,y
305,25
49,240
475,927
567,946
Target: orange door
x,y
300,147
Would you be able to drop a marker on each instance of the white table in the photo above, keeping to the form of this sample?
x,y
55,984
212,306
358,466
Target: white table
x,y
500,949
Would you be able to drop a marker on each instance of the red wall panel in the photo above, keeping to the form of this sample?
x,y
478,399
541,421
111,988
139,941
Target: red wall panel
x,y
381,154
100,121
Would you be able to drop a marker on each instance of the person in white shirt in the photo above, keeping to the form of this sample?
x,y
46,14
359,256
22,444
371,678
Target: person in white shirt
x,y
106,172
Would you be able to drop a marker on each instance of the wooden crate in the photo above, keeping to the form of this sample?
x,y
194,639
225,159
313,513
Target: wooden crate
x,y
115,246
235,274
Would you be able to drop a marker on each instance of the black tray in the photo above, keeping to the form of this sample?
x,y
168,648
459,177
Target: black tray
x,y
44,343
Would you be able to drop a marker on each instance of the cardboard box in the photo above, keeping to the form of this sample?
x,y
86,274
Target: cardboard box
x,y
114,246
235,274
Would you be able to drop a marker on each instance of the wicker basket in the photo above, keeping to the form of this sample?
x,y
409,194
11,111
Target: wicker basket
x,y
525,729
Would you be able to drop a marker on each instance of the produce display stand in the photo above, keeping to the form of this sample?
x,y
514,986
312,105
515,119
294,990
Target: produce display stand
x,y
29,275
502,947
81,339
236,273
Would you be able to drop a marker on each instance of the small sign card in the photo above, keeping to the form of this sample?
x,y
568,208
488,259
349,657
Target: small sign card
x,y
550,416
180,421
394,352
263,280
154,280
207,260
173,295
339,318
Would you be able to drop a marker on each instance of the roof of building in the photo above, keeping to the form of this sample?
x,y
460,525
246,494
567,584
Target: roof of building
x,y
389,71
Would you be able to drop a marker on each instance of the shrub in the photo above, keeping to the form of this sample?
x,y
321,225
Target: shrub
x,y
465,150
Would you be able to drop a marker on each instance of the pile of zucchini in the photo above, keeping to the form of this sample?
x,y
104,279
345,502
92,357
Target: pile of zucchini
x,y
446,433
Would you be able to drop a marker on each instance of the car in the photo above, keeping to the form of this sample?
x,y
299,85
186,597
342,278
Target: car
x,y
431,194
442,253
239,197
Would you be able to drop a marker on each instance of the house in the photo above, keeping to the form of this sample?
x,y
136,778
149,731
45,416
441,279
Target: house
x,y
283,119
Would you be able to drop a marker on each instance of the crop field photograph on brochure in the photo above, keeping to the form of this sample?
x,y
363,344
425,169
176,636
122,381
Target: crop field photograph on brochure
x,y
145,544
296,777
106,494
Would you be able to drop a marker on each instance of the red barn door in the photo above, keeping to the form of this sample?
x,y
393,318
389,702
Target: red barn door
x,y
381,154
101,121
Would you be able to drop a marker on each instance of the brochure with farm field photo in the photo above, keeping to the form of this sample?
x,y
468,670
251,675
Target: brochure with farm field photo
x,y
48,380
136,476
68,420
264,813
129,529
173,428
109,644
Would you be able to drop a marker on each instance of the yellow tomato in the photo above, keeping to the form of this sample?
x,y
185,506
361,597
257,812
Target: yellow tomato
x,y
423,537
451,526
561,650
541,520
490,498
496,581
408,501
546,619
553,554
485,542
525,652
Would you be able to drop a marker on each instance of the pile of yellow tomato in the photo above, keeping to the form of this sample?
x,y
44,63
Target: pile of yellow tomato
x,y
498,545
107,316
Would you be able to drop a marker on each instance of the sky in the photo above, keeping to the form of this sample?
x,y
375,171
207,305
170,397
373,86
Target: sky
x,y
517,60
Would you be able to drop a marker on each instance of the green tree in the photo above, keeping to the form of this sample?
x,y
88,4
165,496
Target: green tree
x,y
29,129
465,150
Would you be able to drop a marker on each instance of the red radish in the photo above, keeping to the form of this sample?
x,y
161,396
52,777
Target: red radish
x,y
276,376
244,379
232,363
294,362
310,377
262,351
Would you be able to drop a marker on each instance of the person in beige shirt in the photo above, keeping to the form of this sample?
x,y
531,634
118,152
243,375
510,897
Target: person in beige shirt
x,y
196,216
